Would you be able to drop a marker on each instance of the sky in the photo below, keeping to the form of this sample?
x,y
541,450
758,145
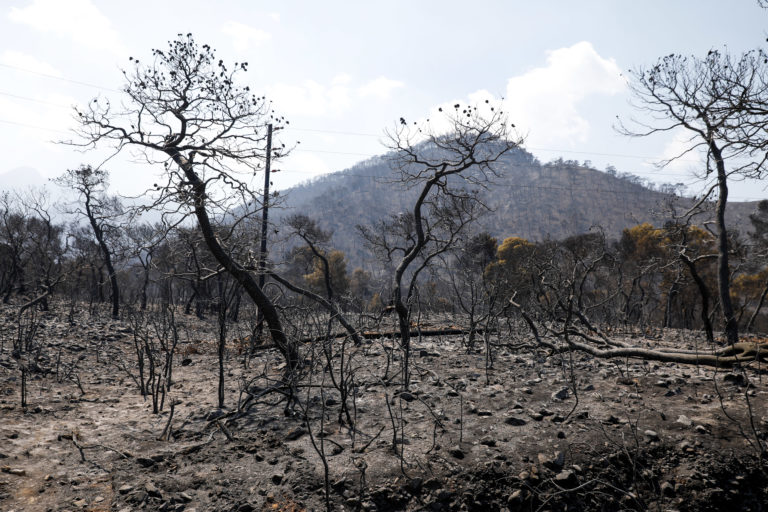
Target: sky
x,y
343,72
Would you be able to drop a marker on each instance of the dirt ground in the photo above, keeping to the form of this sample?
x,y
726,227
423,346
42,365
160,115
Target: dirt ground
x,y
529,433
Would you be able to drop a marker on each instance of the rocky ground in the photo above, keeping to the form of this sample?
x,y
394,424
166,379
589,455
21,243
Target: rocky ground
x,y
530,432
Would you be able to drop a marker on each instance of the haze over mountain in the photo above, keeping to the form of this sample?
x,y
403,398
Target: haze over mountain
x,y
531,200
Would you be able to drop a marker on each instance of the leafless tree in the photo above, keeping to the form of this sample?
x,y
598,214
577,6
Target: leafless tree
x,y
186,111
101,212
721,102
446,167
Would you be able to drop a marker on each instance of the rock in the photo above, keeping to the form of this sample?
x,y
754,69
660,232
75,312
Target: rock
x,y
246,507
514,421
185,498
651,435
214,415
186,361
295,434
488,441
701,429
554,462
456,452
125,489
667,489
561,394
527,391
13,471
566,478
515,498
145,462
589,387
536,416
152,490
277,478
414,485
408,397
484,413
685,420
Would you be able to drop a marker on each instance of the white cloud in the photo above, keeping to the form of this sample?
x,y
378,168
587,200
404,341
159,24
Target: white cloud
x,y
381,88
544,101
244,36
27,62
79,20
310,99
342,79
315,99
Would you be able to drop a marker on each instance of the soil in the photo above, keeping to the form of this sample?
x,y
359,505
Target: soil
x,y
530,432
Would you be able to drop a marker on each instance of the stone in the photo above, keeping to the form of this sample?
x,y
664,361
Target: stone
x,y
456,452
414,485
145,462
651,435
152,490
685,420
561,394
566,478
125,489
515,421
277,478
295,434
554,462
408,397
488,441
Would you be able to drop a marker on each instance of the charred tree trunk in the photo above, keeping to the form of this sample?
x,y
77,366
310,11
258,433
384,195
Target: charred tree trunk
x,y
240,274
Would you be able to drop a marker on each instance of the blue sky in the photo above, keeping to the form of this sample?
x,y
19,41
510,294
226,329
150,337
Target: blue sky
x,y
342,72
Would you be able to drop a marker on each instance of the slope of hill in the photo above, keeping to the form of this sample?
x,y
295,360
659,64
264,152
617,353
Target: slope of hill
x,y
531,200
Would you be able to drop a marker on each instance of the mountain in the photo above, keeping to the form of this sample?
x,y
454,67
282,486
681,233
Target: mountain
x,y
530,200
20,178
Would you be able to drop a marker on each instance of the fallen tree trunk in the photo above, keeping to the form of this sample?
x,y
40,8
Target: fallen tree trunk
x,y
374,335
743,352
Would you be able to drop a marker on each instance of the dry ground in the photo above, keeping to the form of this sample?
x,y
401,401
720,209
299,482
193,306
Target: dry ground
x,y
533,433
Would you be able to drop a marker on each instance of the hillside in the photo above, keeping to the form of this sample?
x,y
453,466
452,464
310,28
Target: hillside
x,y
531,200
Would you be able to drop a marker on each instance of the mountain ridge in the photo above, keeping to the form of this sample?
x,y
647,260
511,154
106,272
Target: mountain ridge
x,y
531,200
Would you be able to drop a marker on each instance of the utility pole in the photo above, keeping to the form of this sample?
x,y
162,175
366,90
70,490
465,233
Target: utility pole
x,y
264,218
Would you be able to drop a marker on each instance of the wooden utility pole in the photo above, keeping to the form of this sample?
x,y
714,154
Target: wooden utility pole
x,y
264,223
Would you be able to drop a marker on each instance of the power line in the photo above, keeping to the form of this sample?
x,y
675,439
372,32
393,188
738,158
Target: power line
x,y
35,100
5,121
54,77
321,151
